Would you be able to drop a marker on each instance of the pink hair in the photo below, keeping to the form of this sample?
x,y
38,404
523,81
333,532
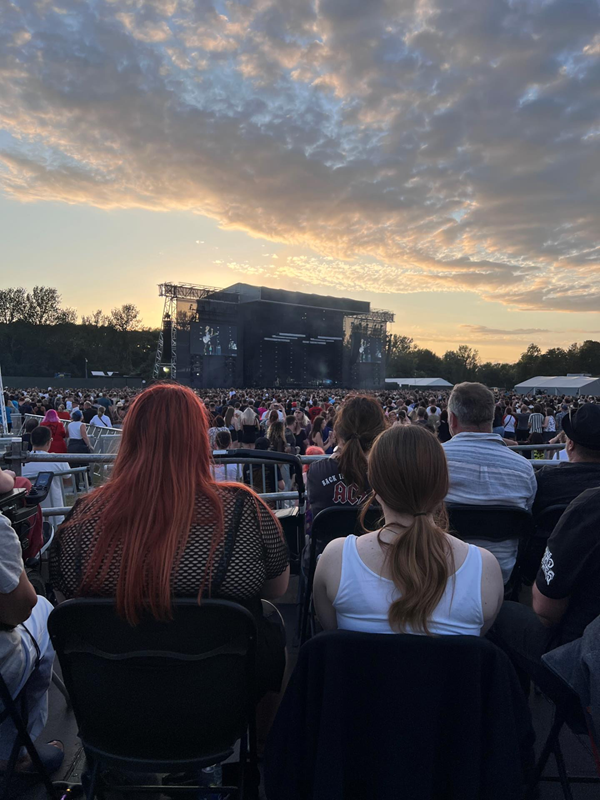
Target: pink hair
x,y
51,416
312,450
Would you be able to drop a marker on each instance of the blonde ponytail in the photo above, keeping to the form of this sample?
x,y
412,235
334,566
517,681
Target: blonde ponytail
x,y
408,471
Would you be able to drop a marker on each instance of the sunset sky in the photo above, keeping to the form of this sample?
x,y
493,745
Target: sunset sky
x,y
440,158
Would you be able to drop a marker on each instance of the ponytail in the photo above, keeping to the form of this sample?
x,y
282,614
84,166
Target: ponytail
x,y
408,471
418,564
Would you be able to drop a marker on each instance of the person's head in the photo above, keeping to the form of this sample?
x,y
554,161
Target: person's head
x,y
537,409
290,421
273,416
262,443
30,425
583,434
358,422
219,421
41,438
148,505
299,416
76,415
392,417
312,450
471,408
61,407
318,425
276,436
432,410
248,416
223,440
51,416
87,404
408,475
421,413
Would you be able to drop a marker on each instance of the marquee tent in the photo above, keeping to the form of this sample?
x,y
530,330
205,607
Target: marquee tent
x,y
420,383
560,384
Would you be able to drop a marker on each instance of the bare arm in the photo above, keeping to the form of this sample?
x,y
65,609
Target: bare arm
x,y
276,587
15,607
327,583
84,435
492,589
7,481
548,610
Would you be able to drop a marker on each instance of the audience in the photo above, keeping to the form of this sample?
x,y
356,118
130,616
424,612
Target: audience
x,y
220,539
26,654
57,429
41,439
566,593
342,478
101,418
483,471
561,483
410,576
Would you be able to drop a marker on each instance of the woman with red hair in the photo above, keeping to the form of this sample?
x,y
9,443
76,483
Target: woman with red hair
x,y
161,506
51,420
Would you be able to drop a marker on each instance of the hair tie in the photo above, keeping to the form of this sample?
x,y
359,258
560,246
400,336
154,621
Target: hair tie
x,y
421,514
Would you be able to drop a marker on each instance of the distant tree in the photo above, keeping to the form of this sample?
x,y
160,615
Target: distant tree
x,y
126,318
427,364
400,353
461,364
97,318
13,305
589,358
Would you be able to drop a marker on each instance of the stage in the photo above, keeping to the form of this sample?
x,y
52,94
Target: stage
x,y
256,336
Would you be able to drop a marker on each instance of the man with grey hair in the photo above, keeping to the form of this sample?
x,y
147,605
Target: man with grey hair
x,y
482,469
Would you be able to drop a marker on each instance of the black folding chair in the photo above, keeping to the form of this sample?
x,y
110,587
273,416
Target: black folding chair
x,y
330,523
568,711
292,519
16,709
494,524
170,696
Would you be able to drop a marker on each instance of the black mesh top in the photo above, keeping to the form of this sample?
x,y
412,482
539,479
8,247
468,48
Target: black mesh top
x,y
256,550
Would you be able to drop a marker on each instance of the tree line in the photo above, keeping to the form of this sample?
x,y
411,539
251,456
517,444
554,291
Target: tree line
x,y
39,337
406,359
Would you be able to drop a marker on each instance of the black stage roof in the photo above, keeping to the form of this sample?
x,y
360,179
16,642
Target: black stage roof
x,y
245,293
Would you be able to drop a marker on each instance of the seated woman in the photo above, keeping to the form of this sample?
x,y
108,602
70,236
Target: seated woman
x,y
342,479
160,506
410,576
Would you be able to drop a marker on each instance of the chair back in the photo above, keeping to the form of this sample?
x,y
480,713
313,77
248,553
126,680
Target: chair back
x,y
547,520
491,522
372,715
337,521
157,693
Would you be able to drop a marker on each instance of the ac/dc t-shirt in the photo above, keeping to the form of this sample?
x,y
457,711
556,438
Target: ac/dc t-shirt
x,y
327,487
571,565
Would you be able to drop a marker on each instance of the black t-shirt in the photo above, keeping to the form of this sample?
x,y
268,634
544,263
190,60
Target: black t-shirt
x,y
522,421
571,565
560,484
327,487
301,440
88,415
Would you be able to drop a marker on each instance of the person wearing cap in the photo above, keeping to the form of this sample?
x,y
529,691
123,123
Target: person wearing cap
x,y
561,483
565,595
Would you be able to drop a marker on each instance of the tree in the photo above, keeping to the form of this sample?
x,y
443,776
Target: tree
x,y
461,364
400,355
126,318
96,319
13,305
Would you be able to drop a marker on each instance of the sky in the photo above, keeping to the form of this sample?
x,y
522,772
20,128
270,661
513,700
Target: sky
x,y
439,158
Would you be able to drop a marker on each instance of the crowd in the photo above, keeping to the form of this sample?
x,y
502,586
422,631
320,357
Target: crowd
x,y
409,455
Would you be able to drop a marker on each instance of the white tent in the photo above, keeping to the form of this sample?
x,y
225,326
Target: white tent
x,y
420,383
560,384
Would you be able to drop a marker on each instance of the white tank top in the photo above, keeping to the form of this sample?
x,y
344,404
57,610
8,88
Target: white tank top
x,y
74,430
364,597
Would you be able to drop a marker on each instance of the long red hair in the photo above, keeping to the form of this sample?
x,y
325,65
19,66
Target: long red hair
x,y
146,508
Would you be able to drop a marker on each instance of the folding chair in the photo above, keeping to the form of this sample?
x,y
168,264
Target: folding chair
x,y
330,523
495,524
22,739
170,696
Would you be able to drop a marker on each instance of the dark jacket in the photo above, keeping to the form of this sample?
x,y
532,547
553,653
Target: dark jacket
x,y
379,717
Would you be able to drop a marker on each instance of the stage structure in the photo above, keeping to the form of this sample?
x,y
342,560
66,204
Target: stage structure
x,y
256,336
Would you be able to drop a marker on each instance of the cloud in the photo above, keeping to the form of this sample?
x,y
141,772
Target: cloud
x,y
483,330
446,144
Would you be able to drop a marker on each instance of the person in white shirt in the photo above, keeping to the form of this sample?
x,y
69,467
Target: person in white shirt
x,y
411,576
482,469
101,420
41,438
26,653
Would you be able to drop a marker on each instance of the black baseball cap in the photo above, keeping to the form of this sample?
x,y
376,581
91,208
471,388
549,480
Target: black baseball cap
x,y
583,426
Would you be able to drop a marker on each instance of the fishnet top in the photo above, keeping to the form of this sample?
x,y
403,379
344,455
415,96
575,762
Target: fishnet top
x,y
255,550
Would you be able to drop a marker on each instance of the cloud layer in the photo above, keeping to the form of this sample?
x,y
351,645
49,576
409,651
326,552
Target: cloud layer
x,y
424,144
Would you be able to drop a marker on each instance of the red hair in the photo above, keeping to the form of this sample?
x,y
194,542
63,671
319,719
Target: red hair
x,y
147,507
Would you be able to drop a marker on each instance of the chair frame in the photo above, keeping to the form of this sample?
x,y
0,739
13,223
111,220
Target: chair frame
x,y
248,742
22,739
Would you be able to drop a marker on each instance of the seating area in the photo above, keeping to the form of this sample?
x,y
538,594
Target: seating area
x,y
156,693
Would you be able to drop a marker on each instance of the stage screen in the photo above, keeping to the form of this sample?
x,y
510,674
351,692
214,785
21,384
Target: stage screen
x,y
213,339
366,347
